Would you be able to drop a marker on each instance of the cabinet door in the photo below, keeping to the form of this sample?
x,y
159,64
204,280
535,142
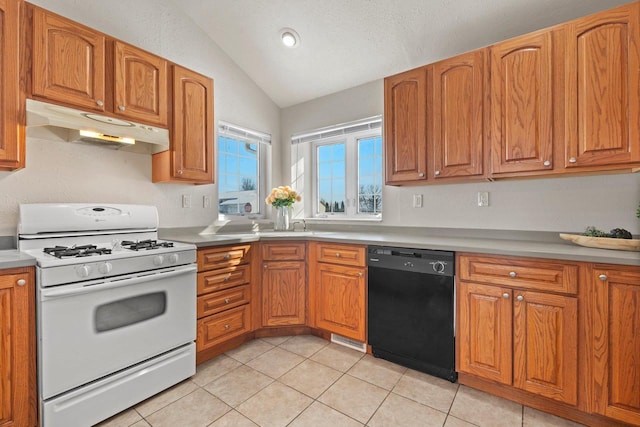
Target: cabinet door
x,y
615,335
283,293
457,110
522,104
68,62
485,331
340,300
405,121
545,358
192,133
12,136
17,372
603,102
140,85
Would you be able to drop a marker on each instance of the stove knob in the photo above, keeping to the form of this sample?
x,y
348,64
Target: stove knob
x,y
84,271
173,258
105,268
158,260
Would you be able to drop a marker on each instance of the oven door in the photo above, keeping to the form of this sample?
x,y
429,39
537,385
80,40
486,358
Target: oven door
x,y
91,329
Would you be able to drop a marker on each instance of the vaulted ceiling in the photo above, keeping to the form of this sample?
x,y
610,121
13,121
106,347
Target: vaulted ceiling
x,y
345,43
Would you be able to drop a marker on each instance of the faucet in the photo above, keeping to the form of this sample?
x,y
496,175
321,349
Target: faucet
x,y
304,225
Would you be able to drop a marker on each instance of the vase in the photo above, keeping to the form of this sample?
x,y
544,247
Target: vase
x,y
282,221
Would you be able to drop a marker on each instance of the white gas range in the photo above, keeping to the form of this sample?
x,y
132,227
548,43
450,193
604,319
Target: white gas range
x,y
116,308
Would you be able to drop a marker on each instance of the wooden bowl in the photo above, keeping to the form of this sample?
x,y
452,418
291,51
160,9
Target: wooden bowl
x,y
603,242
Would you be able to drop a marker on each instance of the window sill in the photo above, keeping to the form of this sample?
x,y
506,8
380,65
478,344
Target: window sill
x,y
341,219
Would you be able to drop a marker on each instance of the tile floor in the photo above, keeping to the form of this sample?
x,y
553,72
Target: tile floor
x,y
306,381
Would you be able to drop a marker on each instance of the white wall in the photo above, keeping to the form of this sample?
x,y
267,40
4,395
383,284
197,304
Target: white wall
x,y
61,172
549,204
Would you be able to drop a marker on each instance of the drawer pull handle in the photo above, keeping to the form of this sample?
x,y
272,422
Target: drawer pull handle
x,y
505,295
227,301
547,163
512,274
265,266
520,298
573,160
337,254
227,278
226,326
227,257
99,103
121,107
603,277
21,282
359,274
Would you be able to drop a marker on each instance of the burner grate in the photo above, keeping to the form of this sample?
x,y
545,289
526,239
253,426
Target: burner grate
x,y
76,251
145,245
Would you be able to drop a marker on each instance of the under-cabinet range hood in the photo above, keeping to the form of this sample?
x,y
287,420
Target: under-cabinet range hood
x,y
90,128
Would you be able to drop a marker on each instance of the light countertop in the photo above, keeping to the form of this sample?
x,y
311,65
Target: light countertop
x,y
12,258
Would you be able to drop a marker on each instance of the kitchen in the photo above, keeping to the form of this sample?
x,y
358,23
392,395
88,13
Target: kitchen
x,y
545,205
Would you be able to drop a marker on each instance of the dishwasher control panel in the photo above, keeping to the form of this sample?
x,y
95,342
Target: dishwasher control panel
x,y
425,261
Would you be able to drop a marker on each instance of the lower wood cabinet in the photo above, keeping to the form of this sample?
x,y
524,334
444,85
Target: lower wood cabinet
x,y
216,329
284,290
338,289
17,348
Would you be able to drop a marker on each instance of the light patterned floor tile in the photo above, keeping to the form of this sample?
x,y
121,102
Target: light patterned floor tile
x,y
337,357
165,398
233,419
456,422
310,378
483,409
214,368
304,345
399,411
319,415
379,372
275,362
123,419
238,385
276,340
353,397
197,409
534,418
274,406
141,423
427,389
249,351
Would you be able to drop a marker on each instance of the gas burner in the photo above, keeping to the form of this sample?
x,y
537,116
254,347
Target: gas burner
x,y
145,245
76,251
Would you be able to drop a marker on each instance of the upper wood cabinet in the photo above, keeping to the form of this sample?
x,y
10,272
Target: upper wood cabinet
x,y
17,348
522,103
603,88
190,157
77,66
12,136
140,87
68,62
614,339
457,109
405,126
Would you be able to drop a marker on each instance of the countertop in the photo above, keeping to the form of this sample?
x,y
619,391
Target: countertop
x,y
12,258
515,243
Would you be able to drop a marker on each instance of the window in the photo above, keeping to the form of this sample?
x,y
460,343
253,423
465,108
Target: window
x,y
241,158
347,166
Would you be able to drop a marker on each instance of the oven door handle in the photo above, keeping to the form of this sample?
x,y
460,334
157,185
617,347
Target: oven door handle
x,y
56,293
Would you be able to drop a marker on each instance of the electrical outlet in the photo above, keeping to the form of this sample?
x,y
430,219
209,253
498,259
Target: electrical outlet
x,y
417,200
206,202
186,201
483,199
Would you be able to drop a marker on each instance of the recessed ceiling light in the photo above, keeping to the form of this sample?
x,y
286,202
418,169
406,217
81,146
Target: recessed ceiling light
x,y
289,37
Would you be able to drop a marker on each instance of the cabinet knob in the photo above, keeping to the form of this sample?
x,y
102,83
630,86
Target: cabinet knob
x,y
337,254
547,163
359,274
421,174
227,277
512,274
603,277
121,107
180,172
265,266
520,298
573,160
226,326
505,295
21,282
227,301
99,103
227,257
437,173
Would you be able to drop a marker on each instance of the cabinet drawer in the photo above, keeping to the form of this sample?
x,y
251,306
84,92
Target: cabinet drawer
x,y
223,300
283,251
228,256
215,329
341,254
224,278
527,273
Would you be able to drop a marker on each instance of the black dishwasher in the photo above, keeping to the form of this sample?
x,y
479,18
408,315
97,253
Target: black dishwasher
x,y
411,308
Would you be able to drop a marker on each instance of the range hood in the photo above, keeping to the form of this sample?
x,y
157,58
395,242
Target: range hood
x,y
90,128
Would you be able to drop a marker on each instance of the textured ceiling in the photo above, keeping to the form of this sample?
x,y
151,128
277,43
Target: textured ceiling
x,y
345,43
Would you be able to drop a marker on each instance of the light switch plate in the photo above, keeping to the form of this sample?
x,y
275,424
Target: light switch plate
x,y
206,202
186,201
483,199
417,200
